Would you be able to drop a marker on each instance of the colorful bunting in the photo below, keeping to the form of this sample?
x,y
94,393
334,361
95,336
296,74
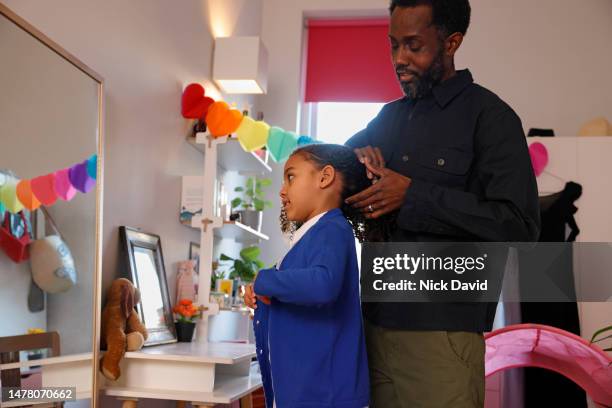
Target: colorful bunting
x,y
92,166
43,188
26,196
306,140
195,103
252,135
80,179
8,196
221,120
15,195
64,189
281,143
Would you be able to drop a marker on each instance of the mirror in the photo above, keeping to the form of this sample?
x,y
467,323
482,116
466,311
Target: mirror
x,y
51,158
145,264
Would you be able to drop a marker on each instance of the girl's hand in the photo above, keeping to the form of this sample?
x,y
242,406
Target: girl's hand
x,y
250,298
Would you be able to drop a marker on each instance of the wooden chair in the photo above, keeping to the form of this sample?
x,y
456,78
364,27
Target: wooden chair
x,y
12,345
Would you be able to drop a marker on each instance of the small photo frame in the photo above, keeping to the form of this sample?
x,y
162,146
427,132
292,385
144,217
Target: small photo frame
x,y
194,254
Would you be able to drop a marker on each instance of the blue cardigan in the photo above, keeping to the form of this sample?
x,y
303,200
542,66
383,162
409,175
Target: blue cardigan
x,y
317,356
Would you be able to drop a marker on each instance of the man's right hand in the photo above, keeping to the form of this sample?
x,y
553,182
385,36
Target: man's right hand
x,y
373,155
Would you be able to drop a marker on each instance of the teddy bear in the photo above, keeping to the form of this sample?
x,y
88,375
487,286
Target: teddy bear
x,y
121,327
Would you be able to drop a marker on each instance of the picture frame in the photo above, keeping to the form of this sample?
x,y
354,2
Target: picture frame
x,y
145,268
194,254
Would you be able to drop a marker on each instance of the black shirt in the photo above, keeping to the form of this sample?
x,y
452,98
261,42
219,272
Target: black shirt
x,y
472,180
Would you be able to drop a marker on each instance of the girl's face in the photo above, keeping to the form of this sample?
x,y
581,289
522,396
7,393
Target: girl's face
x,y
302,188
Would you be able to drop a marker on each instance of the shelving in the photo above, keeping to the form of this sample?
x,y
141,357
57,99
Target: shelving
x,y
231,156
231,230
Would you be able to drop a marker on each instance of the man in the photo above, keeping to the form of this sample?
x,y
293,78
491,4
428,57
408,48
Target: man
x,y
450,160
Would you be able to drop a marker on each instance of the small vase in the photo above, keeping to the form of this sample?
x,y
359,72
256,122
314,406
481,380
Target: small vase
x,y
184,331
251,218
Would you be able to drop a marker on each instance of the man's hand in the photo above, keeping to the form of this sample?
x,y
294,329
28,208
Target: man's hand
x,y
372,155
383,197
250,298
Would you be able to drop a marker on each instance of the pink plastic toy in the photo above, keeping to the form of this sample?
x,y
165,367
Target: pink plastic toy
x,y
535,345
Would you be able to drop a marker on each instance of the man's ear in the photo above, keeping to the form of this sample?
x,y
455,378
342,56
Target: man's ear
x,y
327,176
452,44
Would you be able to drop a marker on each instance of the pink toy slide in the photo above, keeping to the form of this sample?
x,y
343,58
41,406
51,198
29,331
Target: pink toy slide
x,y
535,345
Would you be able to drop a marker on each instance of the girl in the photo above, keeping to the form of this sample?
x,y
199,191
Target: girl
x,y
308,325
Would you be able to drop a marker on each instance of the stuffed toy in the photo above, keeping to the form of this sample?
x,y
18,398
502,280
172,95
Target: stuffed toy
x,y
185,281
121,327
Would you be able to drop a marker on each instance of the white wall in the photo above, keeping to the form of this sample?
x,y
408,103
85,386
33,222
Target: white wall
x,y
549,59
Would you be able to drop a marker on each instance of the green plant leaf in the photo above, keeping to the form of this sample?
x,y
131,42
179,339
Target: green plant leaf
x,y
236,202
238,189
600,331
249,183
250,253
259,264
266,182
224,257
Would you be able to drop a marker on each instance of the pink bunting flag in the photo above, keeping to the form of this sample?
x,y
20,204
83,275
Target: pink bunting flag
x,y
43,188
63,186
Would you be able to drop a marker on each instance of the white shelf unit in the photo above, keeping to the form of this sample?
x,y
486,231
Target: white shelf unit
x,y
202,373
232,230
220,154
232,156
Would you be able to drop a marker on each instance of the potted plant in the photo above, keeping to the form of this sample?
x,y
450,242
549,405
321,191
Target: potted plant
x,y
253,201
186,312
246,267
603,334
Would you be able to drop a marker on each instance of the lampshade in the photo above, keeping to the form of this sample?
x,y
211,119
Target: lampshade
x,y
240,65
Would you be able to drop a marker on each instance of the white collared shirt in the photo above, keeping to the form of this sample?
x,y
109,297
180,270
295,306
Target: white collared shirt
x,y
299,233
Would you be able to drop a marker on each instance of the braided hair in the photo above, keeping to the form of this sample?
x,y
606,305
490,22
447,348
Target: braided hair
x,y
354,180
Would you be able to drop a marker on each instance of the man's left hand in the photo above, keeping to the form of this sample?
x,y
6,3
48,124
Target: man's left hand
x,y
383,197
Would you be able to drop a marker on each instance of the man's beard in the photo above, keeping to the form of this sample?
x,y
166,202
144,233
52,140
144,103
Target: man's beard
x,y
421,85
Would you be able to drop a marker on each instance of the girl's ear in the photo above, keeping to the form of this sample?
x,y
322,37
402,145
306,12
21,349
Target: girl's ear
x,y
327,176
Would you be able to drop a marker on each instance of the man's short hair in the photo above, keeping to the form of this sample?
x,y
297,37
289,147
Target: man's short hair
x,y
449,16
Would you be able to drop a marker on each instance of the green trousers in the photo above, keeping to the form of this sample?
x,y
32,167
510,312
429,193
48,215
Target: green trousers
x,y
425,369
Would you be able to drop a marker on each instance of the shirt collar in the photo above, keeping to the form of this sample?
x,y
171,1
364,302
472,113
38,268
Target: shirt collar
x,y
447,90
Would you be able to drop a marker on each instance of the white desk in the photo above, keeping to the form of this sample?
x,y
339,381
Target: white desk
x,y
203,373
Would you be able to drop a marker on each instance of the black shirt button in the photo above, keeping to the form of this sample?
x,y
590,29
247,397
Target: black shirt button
x,y
405,157
441,162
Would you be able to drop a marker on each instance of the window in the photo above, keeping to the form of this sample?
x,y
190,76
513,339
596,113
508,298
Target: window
x,y
336,122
